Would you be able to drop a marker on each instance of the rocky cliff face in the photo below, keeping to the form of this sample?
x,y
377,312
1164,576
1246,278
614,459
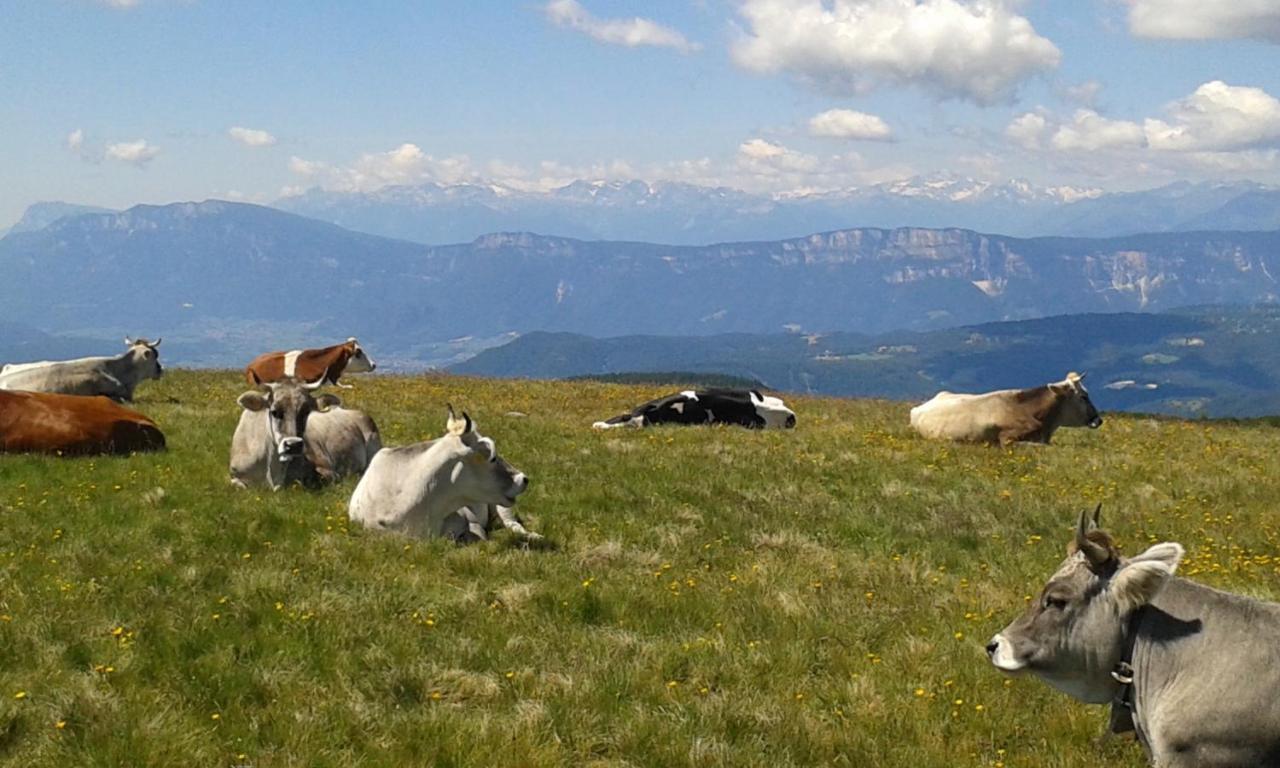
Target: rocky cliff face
x,y
213,262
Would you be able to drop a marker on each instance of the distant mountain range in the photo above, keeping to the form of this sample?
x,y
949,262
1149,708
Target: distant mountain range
x,y
686,214
1212,361
248,277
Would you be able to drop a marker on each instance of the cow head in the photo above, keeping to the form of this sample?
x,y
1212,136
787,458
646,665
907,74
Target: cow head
x,y
286,405
1072,635
480,475
145,356
772,411
1077,409
358,362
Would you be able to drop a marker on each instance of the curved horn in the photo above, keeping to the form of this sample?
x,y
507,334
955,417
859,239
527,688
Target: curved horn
x,y
315,384
156,343
1097,554
469,424
128,342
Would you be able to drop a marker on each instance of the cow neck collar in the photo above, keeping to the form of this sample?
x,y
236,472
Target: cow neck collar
x,y
1123,673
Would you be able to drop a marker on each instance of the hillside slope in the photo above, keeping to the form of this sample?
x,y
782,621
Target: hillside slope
x,y
1217,361
813,597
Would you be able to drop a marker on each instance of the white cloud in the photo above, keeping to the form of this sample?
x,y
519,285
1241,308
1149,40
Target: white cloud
x,y
1206,19
1028,130
1218,131
1084,94
1090,132
760,156
137,153
974,49
1218,117
632,33
848,124
75,140
251,137
406,164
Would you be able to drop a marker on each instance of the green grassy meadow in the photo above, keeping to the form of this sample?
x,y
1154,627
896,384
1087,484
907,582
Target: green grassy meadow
x,y
713,596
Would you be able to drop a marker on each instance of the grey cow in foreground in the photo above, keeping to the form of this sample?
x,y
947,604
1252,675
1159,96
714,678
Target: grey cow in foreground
x,y
116,377
456,486
1204,665
288,435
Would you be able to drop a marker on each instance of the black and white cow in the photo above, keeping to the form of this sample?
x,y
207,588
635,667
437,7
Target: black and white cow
x,y
744,407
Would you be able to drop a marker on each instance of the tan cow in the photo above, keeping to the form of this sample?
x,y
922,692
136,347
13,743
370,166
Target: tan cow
x,y
310,364
1009,415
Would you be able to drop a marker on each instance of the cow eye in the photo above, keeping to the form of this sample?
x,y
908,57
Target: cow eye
x,y
277,413
1054,602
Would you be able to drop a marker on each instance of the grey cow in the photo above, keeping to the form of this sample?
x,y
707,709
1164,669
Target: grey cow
x,y
116,377
1204,665
286,435
456,486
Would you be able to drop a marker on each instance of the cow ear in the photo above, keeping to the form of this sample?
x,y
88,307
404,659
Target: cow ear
x,y
1140,579
252,401
454,425
328,400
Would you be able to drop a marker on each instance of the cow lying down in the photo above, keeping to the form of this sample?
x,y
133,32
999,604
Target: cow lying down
x,y
746,408
1194,671
116,377
456,486
286,435
1008,415
73,425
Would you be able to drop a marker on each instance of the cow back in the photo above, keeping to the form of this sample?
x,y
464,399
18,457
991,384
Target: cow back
x,y
73,425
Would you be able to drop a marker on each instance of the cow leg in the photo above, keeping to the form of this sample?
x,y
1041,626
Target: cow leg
x,y
461,528
508,517
238,483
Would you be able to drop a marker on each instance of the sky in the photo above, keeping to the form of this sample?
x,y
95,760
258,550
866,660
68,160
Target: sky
x,y
119,102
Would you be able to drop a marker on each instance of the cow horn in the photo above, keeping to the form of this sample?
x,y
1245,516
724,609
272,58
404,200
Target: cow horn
x,y
453,426
156,343
466,417
315,384
128,342
1097,554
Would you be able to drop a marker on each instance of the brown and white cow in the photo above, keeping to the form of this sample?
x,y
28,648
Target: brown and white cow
x,y
73,425
310,364
1009,415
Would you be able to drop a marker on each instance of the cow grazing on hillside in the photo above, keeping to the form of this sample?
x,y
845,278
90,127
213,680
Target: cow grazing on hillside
x,y
116,377
287,435
1009,415
73,425
1193,670
455,486
747,408
310,364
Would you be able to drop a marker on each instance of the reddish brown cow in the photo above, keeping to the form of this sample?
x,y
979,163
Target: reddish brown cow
x,y
309,364
73,425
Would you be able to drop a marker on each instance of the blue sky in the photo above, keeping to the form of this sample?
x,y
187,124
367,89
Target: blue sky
x,y
126,101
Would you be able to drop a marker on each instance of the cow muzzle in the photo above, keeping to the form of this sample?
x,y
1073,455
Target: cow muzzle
x,y
790,422
1000,653
289,448
1096,422
519,484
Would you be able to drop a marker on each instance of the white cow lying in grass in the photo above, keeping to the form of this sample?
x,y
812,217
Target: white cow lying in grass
x,y
456,486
